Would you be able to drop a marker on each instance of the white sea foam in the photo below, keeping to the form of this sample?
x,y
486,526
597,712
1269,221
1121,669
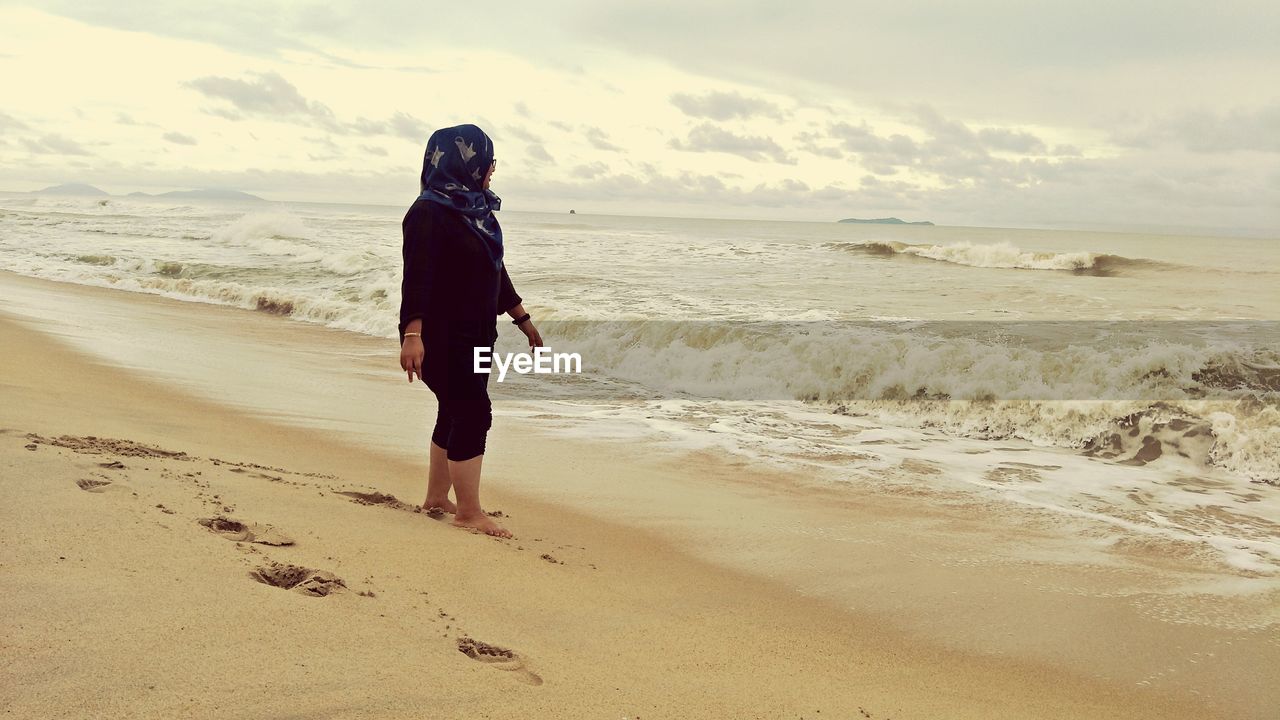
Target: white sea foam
x,y
275,233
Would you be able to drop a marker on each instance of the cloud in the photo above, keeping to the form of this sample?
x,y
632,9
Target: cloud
x,y
1040,62
373,150
178,138
599,140
55,145
260,28
590,170
817,144
887,151
1014,141
404,125
326,143
1063,63
951,152
1202,131
522,133
539,154
400,124
711,138
9,122
269,96
725,106
225,113
1091,72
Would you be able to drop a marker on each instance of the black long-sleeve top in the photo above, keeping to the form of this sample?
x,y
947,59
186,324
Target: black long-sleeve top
x,y
450,282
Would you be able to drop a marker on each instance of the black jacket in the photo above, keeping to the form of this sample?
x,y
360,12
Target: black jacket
x,y
450,282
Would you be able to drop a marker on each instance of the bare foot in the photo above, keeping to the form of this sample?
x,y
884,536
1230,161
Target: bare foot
x,y
481,523
433,506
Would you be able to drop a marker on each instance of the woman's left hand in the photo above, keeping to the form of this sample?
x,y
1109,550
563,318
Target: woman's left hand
x,y
531,332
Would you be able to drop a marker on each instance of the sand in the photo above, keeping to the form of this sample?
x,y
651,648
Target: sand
x,y
167,555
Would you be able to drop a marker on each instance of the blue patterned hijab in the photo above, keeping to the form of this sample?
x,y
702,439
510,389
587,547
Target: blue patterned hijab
x,y
453,171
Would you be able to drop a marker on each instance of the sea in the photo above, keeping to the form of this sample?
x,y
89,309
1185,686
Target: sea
x,y
1126,379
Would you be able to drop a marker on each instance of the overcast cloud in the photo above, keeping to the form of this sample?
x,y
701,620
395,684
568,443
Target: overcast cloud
x,y
1054,114
712,138
725,106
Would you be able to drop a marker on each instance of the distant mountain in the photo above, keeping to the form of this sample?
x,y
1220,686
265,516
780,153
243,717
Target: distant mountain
x,y
203,194
72,189
884,221
84,189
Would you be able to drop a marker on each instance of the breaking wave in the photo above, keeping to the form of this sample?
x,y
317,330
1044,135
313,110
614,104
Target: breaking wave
x,y
1005,255
1069,393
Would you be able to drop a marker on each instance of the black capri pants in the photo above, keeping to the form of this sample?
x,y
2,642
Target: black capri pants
x,y
465,413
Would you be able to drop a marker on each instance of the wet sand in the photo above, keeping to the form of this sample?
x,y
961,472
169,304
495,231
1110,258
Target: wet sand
x,y
171,548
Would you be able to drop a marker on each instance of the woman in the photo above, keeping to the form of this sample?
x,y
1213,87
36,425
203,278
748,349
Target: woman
x,y
454,287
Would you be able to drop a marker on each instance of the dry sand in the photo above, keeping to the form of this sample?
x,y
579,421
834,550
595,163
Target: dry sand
x,y
167,556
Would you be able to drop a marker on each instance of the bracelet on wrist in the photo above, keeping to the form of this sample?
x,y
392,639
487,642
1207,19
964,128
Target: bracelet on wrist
x,y
521,320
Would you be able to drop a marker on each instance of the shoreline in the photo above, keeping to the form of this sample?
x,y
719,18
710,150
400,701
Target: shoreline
x,y
651,630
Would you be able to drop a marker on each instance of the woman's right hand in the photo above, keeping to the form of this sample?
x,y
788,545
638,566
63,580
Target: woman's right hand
x,y
411,354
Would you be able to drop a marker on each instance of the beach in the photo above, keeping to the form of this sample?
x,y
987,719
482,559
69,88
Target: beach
x,y
640,582
853,361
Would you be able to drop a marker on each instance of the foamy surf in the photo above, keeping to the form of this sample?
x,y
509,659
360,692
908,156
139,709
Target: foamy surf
x,y
1005,255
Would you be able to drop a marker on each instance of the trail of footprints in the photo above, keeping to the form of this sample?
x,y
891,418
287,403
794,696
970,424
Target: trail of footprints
x,y
296,578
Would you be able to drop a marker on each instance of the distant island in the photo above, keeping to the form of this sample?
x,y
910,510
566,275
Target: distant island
x,y
73,189
202,194
83,189
884,221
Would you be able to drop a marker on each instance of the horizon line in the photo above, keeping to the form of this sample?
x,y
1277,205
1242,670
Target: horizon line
x,y
1110,228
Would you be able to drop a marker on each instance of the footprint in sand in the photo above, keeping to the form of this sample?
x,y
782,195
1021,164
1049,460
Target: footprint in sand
x,y
91,444
500,658
395,503
93,485
264,476
377,498
245,532
305,580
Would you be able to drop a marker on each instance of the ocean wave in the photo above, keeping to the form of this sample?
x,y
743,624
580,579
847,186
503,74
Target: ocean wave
x,y
1064,393
366,308
365,304
833,362
271,232
1005,255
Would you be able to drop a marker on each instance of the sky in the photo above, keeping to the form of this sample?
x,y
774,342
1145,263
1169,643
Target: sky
x,y
997,113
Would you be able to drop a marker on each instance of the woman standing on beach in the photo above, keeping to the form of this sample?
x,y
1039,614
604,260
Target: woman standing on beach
x,y
454,287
